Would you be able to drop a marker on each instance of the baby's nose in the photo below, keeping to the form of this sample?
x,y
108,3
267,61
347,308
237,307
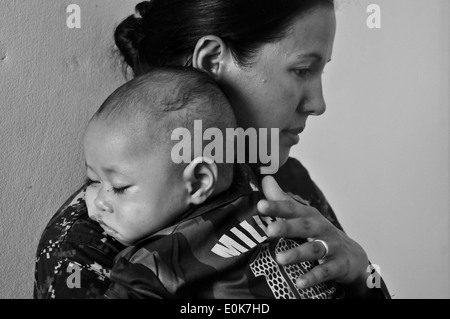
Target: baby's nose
x,y
102,204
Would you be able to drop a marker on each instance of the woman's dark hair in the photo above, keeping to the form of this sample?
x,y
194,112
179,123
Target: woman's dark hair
x,y
165,32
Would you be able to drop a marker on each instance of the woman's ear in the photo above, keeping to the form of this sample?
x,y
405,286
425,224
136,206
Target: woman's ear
x,y
200,177
210,55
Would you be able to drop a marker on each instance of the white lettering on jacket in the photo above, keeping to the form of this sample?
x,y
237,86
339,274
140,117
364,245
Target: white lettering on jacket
x,y
245,236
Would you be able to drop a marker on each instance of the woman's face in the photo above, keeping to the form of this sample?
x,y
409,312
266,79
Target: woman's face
x,y
284,85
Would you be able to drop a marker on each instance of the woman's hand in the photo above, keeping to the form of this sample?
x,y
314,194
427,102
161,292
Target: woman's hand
x,y
346,261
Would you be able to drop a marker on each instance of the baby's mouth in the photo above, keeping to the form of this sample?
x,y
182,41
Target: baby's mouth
x,y
107,229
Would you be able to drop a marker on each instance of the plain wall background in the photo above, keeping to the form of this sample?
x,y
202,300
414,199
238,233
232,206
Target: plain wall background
x,y
380,153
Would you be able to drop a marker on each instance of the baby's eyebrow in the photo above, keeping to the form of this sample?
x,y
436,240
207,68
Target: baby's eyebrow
x,y
110,170
107,170
115,171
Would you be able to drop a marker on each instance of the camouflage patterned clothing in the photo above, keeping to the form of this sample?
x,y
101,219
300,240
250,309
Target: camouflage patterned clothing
x,y
75,256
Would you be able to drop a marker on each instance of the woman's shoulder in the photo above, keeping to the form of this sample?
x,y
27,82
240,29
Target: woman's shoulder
x,y
68,216
70,241
71,223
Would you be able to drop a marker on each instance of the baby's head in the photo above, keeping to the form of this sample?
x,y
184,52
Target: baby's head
x,y
135,188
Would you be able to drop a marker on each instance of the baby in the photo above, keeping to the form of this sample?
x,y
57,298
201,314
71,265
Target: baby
x,y
193,229
135,189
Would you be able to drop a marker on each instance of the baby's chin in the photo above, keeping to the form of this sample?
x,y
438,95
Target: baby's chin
x,y
121,240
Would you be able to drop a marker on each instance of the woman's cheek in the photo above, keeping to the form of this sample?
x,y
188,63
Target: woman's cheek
x,y
279,103
291,94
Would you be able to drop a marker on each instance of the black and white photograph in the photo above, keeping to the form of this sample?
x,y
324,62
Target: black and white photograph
x,y
225,150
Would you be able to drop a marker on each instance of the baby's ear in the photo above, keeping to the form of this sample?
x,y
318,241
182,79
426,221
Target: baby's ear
x,y
200,177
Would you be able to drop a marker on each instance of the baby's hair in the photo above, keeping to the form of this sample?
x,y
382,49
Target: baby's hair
x,y
167,98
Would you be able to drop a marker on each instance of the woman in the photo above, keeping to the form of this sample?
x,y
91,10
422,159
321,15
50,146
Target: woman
x,y
268,57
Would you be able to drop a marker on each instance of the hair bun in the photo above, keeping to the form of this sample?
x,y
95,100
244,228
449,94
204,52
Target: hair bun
x,y
144,8
129,35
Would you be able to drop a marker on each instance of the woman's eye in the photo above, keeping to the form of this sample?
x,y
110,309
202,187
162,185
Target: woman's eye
x,y
302,73
120,191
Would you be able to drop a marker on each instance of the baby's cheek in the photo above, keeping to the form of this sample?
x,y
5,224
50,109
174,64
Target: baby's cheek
x,y
128,237
128,222
89,199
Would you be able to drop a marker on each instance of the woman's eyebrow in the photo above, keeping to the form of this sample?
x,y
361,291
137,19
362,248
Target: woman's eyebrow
x,y
312,55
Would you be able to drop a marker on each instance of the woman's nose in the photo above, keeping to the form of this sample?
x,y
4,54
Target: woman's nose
x,y
314,102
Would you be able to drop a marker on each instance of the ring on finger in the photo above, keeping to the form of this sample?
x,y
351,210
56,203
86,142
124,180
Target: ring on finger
x,y
324,244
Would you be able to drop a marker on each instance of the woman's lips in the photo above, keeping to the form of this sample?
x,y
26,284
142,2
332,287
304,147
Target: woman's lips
x,y
293,135
295,131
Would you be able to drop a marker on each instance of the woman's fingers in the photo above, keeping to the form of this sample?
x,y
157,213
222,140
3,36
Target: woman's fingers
x,y
345,261
293,219
321,273
279,203
271,189
287,208
309,251
301,227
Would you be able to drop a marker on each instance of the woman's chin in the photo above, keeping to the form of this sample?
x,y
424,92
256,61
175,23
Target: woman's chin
x,y
274,165
284,156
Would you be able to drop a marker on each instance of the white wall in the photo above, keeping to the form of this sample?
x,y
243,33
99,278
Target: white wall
x,y
381,152
52,79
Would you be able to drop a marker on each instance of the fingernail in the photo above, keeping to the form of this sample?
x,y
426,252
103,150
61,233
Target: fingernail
x,y
262,206
281,258
301,283
273,230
